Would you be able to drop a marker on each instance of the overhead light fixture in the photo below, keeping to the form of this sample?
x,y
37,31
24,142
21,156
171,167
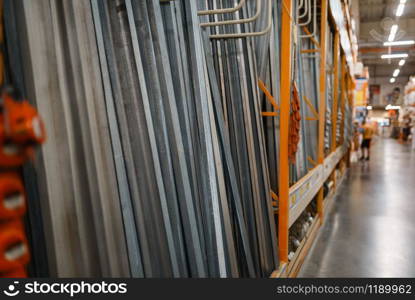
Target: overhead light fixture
x,y
370,107
402,2
392,107
399,10
397,55
392,80
401,62
396,72
399,43
392,34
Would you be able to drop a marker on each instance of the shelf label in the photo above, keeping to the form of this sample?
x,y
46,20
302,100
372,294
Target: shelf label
x,y
306,190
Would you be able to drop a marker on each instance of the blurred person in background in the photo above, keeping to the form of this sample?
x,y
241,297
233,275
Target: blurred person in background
x,y
355,153
406,127
367,132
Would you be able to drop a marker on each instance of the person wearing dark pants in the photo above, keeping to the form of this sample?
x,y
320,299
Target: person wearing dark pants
x,y
367,140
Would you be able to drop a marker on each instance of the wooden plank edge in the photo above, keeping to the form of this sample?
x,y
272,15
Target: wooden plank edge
x,y
296,211
281,272
302,251
286,270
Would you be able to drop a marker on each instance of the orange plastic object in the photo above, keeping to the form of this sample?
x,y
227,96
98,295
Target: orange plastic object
x,y
22,123
20,130
11,154
12,196
294,129
14,250
19,272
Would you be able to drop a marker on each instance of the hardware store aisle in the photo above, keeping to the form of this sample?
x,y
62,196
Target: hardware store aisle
x,y
370,231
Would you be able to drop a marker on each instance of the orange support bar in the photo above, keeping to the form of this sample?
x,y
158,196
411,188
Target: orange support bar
x,y
313,110
270,98
268,95
350,89
274,196
269,114
310,51
285,99
311,161
322,106
315,42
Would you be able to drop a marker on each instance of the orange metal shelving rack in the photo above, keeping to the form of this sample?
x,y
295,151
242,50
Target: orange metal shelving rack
x,y
343,86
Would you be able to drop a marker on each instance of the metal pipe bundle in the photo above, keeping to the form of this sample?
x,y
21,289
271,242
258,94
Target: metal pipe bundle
x,y
306,67
329,92
157,161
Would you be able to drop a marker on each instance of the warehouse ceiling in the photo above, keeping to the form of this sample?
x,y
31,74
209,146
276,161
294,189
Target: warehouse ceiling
x,y
374,19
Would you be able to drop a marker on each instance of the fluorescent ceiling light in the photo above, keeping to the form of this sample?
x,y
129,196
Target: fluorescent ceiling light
x,y
397,55
392,80
391,107
399,43
392,34
396,72
401,62
399,10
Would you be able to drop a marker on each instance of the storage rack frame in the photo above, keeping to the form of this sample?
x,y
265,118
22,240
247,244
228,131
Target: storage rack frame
x,y
294,199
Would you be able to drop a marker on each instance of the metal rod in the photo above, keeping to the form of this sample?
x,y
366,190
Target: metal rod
x,y
229,162
238,21
193,235
306,10
311,35
133,244
222,11
335,90
249,34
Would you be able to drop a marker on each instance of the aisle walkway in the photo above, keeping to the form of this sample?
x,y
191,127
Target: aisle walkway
x,y
370,231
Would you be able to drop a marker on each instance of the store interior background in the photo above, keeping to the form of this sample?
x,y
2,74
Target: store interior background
x,y
380,89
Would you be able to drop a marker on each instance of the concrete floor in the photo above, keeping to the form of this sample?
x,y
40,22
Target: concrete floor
x,y
370,230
